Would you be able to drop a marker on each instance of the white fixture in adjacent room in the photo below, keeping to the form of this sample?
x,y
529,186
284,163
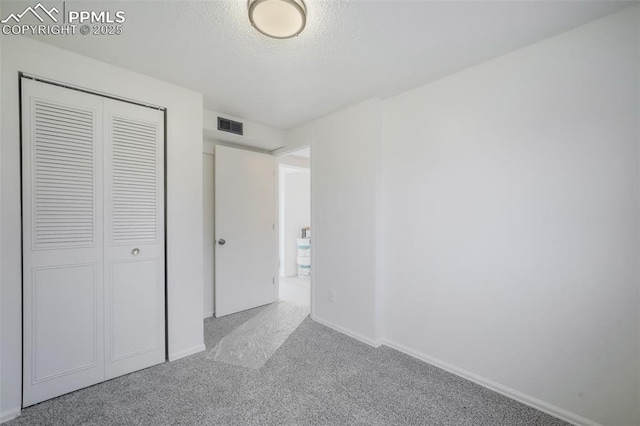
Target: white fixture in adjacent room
x,y
278,18
303,259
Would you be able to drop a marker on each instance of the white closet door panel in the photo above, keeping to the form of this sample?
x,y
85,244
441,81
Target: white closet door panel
x,y
134,231
134,299
63,240
66,339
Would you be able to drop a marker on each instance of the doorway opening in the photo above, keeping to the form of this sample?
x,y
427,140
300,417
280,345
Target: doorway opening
x,y
295,243
250,187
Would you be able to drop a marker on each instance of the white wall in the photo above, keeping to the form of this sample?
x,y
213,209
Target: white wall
x,y
184,193
511,221
296,213
496,233
345,147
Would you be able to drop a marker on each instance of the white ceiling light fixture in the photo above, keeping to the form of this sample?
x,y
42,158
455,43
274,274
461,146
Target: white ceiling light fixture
x,y
278,18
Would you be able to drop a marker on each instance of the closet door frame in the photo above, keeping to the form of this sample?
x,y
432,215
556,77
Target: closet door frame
x,y
22,76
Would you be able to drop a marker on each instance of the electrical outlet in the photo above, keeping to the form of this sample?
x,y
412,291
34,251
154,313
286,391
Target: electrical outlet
x,y
332,296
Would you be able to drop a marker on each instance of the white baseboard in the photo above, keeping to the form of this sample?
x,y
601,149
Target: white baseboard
x,y
349,333
184,353
497,387
208,314
529,400
10,414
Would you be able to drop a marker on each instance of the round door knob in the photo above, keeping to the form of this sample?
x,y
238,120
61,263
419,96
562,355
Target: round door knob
x,y
135,251
221,241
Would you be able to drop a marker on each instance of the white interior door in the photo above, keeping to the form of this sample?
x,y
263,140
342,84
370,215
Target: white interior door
x,y
244,206
62,241
93,246
134,237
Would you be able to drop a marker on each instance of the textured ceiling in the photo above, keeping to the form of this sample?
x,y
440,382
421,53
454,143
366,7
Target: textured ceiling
x,y
349,51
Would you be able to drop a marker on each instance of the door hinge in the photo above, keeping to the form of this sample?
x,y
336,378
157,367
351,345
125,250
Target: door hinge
x,y
273,280
273,226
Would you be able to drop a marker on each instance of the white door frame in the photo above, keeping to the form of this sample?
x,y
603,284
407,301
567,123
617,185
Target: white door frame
x,y
276,266
208,150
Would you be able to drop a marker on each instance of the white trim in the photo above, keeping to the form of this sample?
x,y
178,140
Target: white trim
x,y
90,91
349,333
277,199
496,387
287,168
312,169
294,163
283,150
278,267
209,144
187,352
208,147
10,414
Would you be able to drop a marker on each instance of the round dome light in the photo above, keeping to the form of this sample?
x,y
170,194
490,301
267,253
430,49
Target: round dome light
x,y
278,18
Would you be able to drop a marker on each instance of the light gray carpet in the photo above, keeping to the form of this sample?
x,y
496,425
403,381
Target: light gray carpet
x,y
254,342
317,377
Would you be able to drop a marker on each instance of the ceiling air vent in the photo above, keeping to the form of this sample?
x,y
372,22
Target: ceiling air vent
x,y
226,125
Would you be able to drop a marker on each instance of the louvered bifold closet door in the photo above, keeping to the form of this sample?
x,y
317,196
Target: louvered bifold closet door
x,y
134,233
62,157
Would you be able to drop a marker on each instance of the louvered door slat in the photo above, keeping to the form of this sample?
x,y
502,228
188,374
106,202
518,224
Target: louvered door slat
x,y
64,119
53,136
135,148
134,162
134,180
75,130
64,176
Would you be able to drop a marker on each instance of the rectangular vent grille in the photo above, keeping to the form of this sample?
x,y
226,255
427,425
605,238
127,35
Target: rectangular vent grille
x,y
226,125
134,181
63,176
